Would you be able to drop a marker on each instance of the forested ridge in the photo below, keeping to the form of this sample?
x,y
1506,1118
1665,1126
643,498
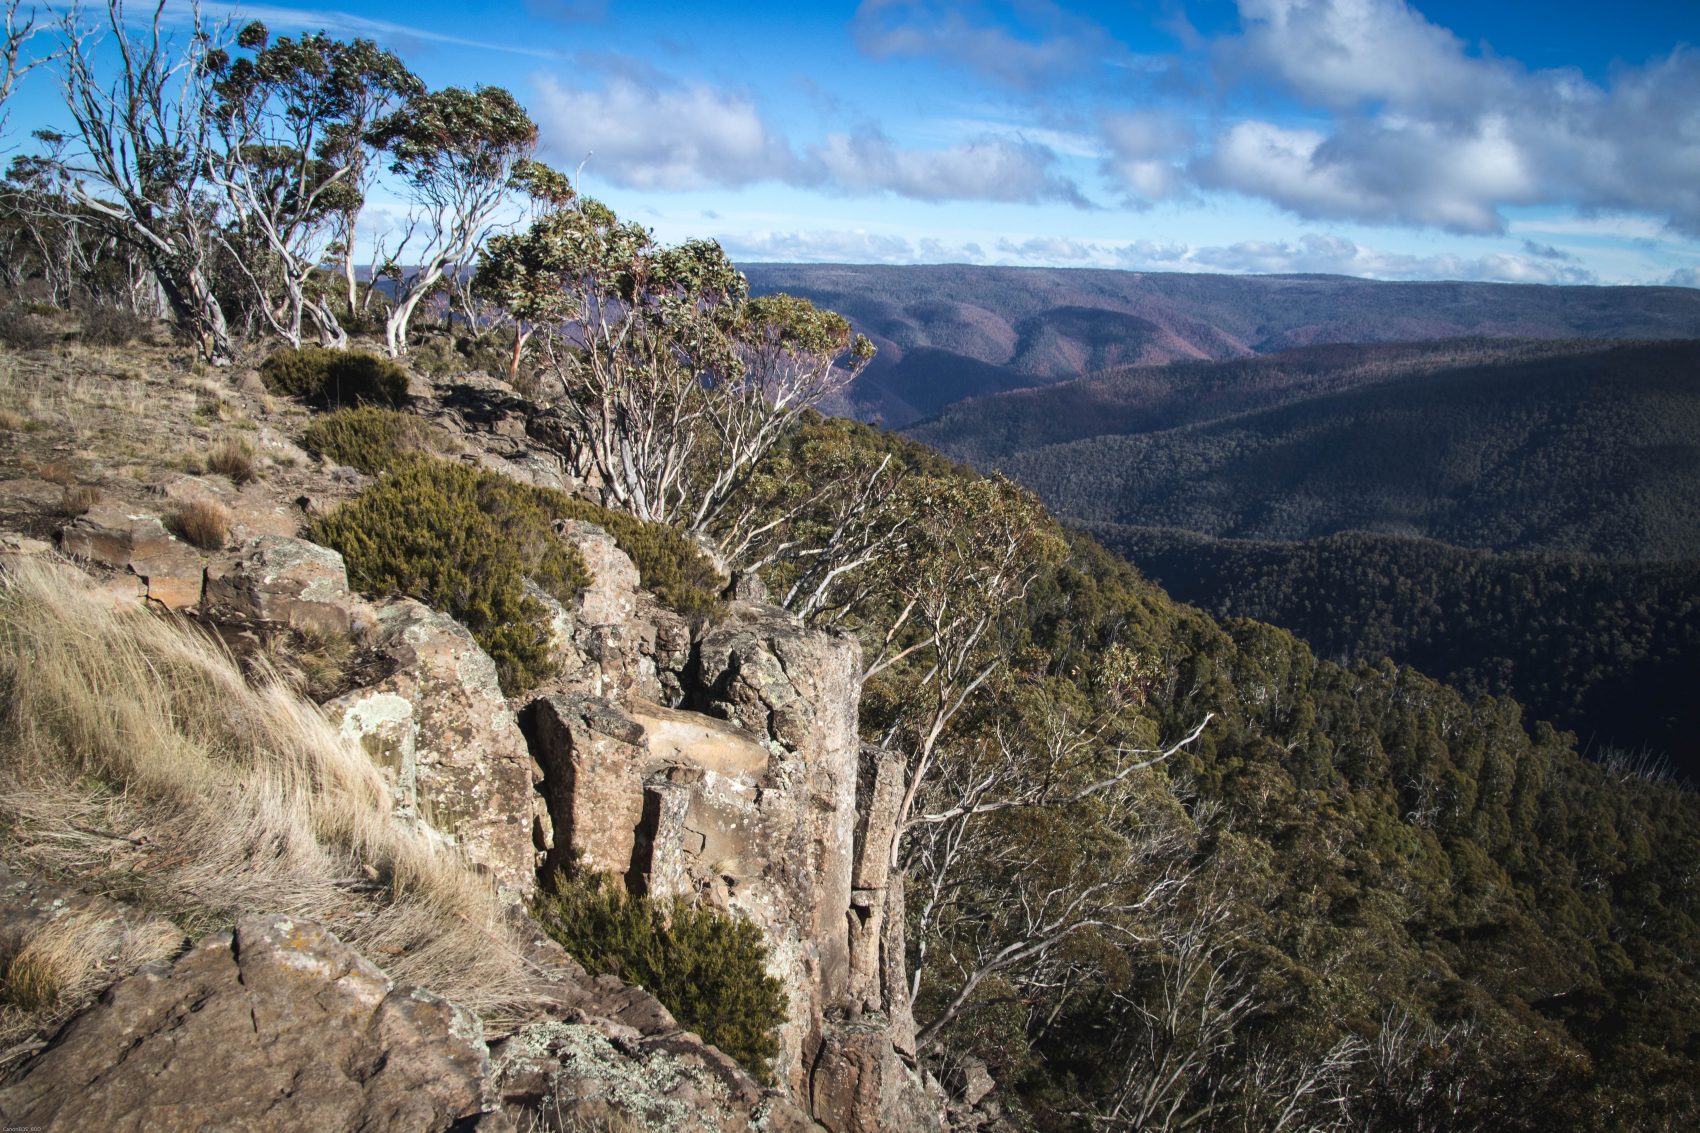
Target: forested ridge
x,y
953,331
1592,452
1608,650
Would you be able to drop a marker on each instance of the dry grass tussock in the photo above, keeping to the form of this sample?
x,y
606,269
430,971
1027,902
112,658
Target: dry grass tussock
x,y
135,759
203,522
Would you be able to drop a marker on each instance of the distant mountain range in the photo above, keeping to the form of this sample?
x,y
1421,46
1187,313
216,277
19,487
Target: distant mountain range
x,y
949,332
1574,447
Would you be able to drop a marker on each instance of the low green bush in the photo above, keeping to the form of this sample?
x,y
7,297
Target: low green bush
x,y
671,567
707,968
371,438
462,541
330,378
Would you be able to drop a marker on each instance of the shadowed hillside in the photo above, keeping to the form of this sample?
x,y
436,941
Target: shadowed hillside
x,y
1034,326
1596,452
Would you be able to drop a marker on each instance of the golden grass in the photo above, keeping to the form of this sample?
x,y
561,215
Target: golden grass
x,y
135,758
233,457
12,421
64,961
203,522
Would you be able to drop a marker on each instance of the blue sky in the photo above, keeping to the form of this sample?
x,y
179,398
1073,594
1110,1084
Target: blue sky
x,y
1557,142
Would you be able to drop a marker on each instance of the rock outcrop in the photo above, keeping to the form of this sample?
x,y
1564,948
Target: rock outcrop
x,y
441,730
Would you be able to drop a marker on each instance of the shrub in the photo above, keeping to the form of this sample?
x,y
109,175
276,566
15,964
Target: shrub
x,y
371,439
463,541
334,377
203,522
23,329
233,457
12,421
708,969
76,499
108,325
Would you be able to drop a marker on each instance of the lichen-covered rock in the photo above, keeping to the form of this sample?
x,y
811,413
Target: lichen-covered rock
x,y
441,730
277,1026
668,1082
860,1085
275,580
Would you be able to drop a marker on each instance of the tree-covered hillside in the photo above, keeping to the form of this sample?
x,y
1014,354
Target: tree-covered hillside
x,y
1608,650
1008,328
1165,870
1594,452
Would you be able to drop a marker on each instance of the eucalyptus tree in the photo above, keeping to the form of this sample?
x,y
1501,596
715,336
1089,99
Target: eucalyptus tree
x,y
455,150
676,383
292,118
141,146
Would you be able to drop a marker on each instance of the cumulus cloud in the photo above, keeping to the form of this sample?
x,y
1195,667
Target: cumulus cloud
x,y
1400,172
643,133
1340,53
1423,132
646,137
833,246
1684,277
1050,250
1021,45
1336,255
1142,150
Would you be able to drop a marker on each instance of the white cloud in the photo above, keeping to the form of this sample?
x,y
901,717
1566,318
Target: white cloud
x,y
1684,277
989,169
644,137
1336,255
1343,52
1024,44
1143,147
830,246
642,133
1424,133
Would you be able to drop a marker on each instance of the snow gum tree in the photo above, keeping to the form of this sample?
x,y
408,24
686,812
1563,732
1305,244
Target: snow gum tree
x,y
455,150
291,118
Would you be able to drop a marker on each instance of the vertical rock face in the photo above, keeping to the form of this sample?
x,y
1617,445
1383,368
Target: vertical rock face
x,y
278,1025
442,732
593,760
797,689
755,796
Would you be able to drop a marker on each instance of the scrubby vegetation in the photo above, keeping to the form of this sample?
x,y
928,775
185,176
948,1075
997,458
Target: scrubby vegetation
x,y
709,969
334,377
371,438
465,542
670,566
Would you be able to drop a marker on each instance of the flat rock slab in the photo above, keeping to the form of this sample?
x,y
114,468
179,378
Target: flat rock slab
x,y
276,1026
281,581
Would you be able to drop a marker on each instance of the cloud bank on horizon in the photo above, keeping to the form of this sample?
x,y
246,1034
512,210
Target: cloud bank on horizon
x,y
1364,137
